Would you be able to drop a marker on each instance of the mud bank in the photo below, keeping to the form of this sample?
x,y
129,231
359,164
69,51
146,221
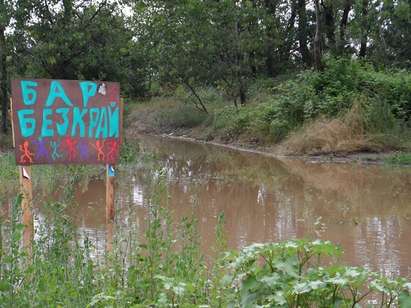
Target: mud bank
x,y
276,151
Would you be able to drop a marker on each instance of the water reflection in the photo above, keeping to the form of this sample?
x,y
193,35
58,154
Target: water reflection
x,y
366,209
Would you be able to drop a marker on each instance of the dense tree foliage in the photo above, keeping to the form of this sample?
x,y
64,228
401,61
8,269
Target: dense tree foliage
x,y
226,44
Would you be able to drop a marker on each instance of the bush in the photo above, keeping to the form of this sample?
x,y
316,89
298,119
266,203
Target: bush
x,y
181,116
394,88
291,274
384,96
333,91
279,106
231,122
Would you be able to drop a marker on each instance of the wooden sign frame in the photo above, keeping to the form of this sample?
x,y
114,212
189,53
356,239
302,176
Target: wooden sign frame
x,y
26,189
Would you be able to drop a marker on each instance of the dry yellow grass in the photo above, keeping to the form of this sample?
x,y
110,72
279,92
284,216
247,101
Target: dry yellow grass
x,y
341,135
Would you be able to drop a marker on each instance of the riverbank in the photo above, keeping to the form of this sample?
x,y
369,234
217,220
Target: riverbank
x,y
392,157
349,110
142,119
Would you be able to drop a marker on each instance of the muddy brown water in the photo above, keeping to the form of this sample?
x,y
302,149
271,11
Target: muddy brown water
x,y
364,208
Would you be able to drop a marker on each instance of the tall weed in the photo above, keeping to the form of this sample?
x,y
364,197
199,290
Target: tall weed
x,y
167,268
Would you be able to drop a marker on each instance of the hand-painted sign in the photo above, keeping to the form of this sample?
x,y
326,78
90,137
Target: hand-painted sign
x,y
66,121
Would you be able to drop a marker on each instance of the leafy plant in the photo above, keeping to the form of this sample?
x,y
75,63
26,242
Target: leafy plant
x,y
292,274
167,268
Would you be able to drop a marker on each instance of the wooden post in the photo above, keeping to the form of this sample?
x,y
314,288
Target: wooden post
x,y
110,176
109,237
110,206
12,123
26,188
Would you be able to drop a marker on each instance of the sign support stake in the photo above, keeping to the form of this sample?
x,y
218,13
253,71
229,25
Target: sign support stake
x,y
12,123
110,177
110,206
26,188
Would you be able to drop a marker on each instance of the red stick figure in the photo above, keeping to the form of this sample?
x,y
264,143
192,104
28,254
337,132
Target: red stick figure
x,y
99,148
70,144
27,156
113,149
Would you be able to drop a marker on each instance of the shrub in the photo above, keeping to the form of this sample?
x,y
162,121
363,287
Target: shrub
x,y
333,91
181,116
384,97
392,87
232,122
279,106
292,274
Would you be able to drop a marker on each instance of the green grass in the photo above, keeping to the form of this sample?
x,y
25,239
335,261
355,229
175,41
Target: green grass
x,y
9,176
399,159
8,170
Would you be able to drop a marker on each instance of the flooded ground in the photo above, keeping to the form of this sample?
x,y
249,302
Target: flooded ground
x,y
365,209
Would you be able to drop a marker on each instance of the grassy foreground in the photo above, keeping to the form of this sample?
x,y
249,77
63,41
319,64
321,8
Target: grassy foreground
x,y
167,269
349,107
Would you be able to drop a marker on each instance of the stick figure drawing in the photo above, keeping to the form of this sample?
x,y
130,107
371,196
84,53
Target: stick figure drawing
x,y
99,148
113,149
27,156
83,150
70,145
42,151
55,148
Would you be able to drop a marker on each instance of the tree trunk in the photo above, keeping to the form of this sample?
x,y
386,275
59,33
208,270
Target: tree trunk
x,y
269,47
302,32
284,49
68,11
242,93
198,98
3,78
290,39
317,38
364,29
269,59
253,66
240,66
329,23
343,26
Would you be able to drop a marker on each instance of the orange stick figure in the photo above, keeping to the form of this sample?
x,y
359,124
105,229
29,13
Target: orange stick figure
x,y
99,148
70,145
27,156
113,149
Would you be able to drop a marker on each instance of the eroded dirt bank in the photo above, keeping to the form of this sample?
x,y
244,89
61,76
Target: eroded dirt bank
x,y
275,151
323,141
